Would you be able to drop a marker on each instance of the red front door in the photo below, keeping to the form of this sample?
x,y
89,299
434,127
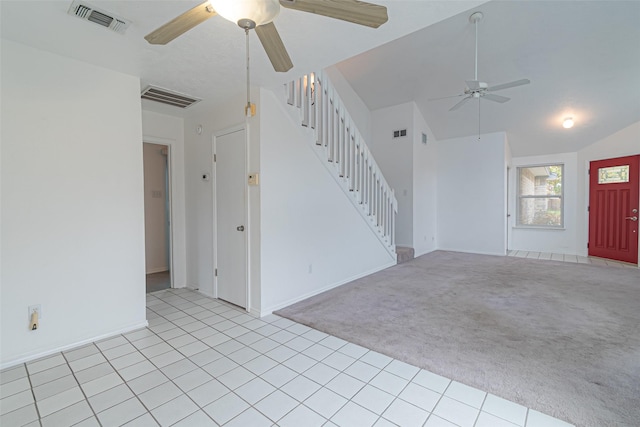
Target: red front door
x,y
614,189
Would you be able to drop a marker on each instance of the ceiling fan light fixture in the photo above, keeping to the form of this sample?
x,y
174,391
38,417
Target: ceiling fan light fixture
x,y
259,11
567,123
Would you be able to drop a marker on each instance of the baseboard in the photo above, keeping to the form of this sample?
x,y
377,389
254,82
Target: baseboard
x,y
256,313
276,307
417,254
157,270
466,251
33,356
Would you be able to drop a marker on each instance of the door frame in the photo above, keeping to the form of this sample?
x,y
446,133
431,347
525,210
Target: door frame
x,y
169,196
239,127
587,186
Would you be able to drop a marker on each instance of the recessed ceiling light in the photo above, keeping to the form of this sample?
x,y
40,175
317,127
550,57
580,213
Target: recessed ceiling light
x,y
568,123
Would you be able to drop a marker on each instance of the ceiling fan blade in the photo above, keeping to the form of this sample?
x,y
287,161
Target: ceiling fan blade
x,y
460,104
181,24
508,85
495,98
274,47
358,12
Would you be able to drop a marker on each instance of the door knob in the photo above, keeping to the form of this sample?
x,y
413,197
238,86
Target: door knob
x,y
240,228
632,218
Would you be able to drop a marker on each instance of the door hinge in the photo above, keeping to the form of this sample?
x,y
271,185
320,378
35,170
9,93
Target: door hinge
x,y
216,273
214,158
588,208
587,245
588,171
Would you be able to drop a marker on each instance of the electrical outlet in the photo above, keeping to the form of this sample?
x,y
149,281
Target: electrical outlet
x,y
37,308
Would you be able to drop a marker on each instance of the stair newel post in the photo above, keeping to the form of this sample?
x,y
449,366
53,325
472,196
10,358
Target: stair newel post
x,y
385,219
290,92
356,169
330,123
367,182
312,100
361,174
394,210
326,105
305,100
347,151
352,161
339,139
345,141
318,89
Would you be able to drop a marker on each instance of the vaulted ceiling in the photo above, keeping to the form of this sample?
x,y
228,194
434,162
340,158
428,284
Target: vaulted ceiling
x,y
583,59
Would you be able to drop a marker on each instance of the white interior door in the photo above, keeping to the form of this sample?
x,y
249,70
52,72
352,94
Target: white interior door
x,y
231,243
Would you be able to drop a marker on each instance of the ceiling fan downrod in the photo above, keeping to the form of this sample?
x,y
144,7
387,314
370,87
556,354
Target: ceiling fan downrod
x,y
474,19
248,24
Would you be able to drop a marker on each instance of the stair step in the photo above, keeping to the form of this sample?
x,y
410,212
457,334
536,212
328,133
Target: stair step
x,y
404,254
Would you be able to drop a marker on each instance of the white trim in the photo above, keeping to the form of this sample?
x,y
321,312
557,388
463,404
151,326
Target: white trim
x,y
168,142
236,128
33,356
519,197
466,251
158,270
417,254
276,307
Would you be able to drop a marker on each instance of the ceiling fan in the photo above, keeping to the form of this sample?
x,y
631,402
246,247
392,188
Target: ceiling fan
x,y
259,15
479,89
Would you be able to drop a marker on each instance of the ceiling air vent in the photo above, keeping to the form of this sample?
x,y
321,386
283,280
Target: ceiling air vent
x,y
89,13
168,97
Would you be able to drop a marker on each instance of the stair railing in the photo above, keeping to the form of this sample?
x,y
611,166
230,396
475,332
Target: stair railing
x,y
342,145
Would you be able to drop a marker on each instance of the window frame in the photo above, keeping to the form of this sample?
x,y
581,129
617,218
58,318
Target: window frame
x,y
520,197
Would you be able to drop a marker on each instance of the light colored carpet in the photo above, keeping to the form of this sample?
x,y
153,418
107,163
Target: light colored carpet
x,y
560,338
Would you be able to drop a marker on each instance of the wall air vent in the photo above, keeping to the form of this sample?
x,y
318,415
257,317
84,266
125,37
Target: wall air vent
x,y
89,13
165,96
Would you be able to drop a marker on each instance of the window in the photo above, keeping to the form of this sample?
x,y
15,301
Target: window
x,y
540,190
613,174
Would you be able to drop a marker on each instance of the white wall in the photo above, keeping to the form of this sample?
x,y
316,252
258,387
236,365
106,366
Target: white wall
x,y
313,238
425,176
199,193
72,202
625,142
562,241
155,218
471,194
169,130
394,156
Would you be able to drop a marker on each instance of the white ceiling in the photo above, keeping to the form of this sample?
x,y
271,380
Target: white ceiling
x,y
208,61
582,57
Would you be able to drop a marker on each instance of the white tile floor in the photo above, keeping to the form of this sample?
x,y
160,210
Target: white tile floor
x,y
569,258
204,363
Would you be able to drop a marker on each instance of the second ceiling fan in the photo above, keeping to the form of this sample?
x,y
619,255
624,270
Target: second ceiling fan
x,y
478,89
259,15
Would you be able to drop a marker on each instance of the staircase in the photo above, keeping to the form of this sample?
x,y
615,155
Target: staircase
x,y
340,146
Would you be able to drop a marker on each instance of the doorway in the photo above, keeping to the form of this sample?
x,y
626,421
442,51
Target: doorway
x,y
157,216
614,191
230,241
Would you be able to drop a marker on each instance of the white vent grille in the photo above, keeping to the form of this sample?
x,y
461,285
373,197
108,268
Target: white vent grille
x,y
106,19
168,97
